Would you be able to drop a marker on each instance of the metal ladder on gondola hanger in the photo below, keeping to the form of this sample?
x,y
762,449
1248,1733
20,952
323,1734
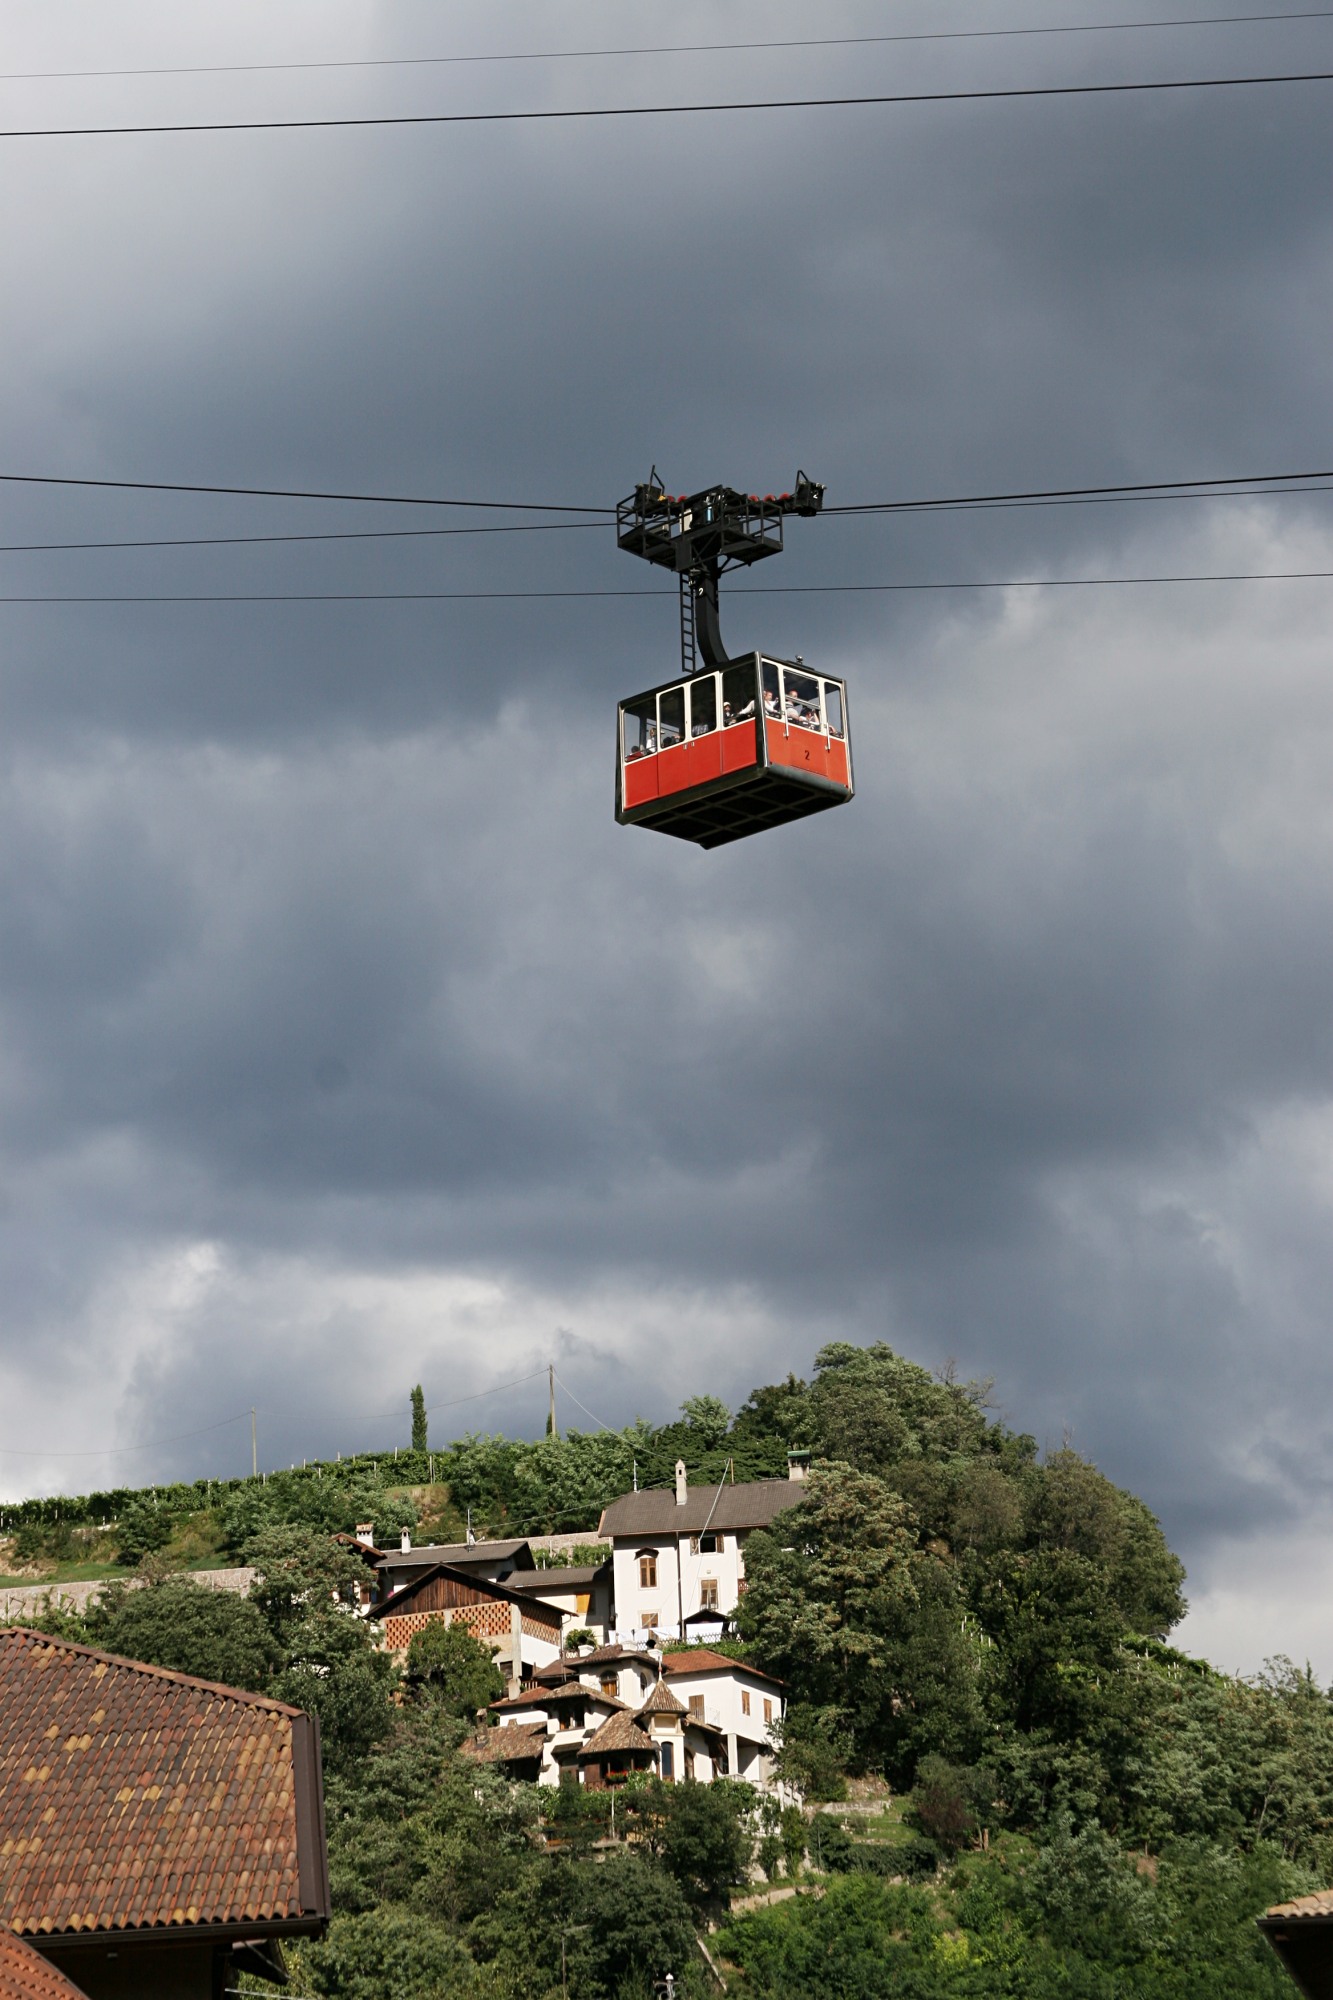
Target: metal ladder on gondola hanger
x,y
689,653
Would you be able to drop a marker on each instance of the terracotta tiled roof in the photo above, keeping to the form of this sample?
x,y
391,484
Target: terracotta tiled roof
x,y
515,1743
25,1974
701,1661
1318,1905
601,1656
133,1797
662,1702
618,1732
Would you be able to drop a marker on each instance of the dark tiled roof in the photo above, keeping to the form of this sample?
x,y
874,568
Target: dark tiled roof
x,y
460,1554
515,1743
25,1974
557,1579
701,1661
750,1506
662,1702
618,1732
133,1797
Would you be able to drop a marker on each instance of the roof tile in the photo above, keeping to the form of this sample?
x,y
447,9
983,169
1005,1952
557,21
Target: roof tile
x,y
158,1798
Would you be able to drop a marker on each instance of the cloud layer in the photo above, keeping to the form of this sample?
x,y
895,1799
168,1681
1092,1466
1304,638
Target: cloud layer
x,y
344,1039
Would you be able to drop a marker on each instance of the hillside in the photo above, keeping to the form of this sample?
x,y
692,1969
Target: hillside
x,y
974,1641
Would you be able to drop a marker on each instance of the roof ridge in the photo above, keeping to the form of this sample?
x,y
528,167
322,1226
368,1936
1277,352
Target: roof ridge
x,y
31,1634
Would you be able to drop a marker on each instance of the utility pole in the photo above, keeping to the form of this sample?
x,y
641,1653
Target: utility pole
x,y
254,1447
551,1430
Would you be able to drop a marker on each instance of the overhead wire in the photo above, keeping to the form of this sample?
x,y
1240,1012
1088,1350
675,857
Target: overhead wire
x,y
1146,487
123,1450
564,527
327,535
743,590
295,493
559,115
663,49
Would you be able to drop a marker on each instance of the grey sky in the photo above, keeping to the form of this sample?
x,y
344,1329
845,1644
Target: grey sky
x,y
344,1038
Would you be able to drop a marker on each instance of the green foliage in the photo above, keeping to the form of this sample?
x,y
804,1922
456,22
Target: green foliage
x,y
708,1417
419,1428
793,1834
214,1634
706,1844
141,1531
450,1664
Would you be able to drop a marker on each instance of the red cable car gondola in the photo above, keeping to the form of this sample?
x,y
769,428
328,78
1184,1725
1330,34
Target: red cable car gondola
x,y
720,755
731,746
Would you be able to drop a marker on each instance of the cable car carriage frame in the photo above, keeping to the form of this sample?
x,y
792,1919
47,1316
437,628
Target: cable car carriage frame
x,y
732,745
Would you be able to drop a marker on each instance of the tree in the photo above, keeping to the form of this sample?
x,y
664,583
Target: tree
x,y
452,1665
708,1417
212,1633
706,1844
141,1531
304,1587
418,1419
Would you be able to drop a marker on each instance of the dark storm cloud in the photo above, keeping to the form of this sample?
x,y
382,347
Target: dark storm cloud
x,y
341,1029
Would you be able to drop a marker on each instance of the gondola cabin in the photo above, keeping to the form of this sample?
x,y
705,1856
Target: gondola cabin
x,y
731,752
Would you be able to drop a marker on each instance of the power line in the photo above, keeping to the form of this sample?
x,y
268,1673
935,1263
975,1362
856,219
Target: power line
x,y
743,590
550,116
582,1406
1091,499
291,492
330,535
1257,479
1165,488
120,1450
663,49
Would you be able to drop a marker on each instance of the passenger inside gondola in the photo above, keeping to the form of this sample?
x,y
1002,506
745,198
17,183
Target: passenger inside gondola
x,y
802,705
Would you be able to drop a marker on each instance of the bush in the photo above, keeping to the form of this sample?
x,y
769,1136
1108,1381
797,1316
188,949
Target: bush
x,y
451,1665
141,1531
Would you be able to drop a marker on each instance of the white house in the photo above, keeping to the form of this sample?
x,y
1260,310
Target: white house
x,y
689,1715
680,1556
738,1700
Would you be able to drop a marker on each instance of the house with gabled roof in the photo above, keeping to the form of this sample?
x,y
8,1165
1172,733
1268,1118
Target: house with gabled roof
x,y
523,1632
679,1556
158,1833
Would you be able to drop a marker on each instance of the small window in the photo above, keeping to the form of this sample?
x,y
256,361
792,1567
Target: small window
x,y
772,693
768,1709
671,717
708,1594
640,728
833,708
703,706
648,1620
668,1762
609,1684
737,695
800,700
648,1571
703,1545
696,1705
745,1701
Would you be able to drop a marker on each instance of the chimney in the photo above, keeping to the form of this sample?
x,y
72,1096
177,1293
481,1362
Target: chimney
x,y
798,1466
407,1541
365,1534
682,1489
